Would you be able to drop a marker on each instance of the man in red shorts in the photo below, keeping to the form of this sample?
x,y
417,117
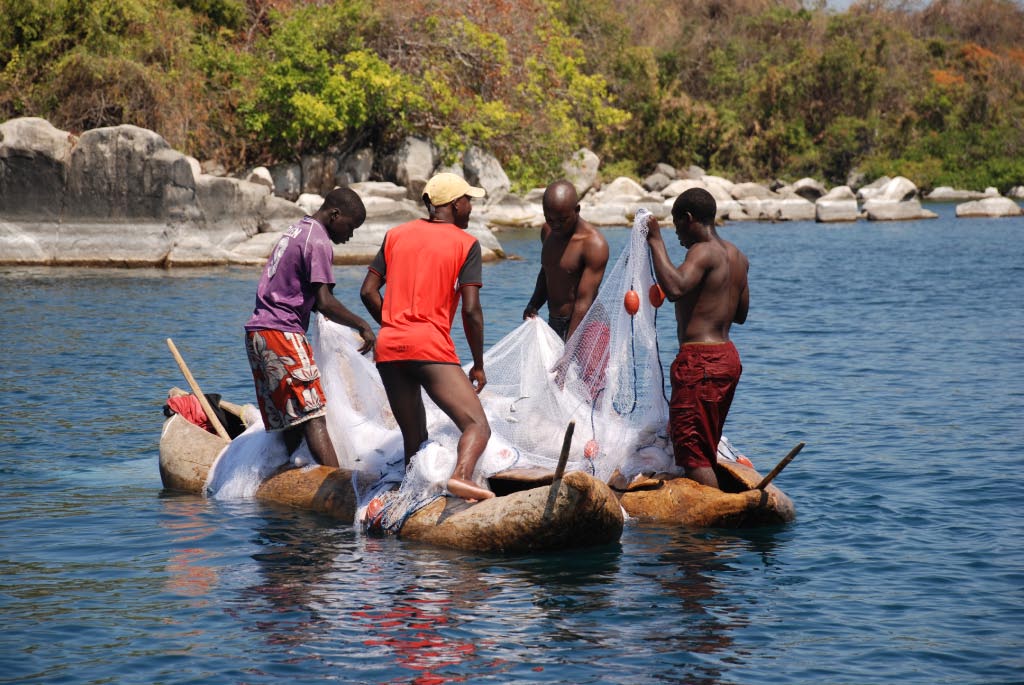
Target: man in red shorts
x,y
710,292
296,280
428,265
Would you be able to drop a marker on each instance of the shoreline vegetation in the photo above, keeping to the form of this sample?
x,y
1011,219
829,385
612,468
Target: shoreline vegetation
x,y
755,90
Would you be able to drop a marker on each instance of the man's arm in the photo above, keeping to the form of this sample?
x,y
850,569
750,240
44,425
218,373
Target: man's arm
x,y
539,297
675,282
328,305
540,288
473,325
595,259
369,293
742,306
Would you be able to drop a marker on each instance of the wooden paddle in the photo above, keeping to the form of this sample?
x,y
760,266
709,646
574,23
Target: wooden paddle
x,y
203,402
778,467
560,469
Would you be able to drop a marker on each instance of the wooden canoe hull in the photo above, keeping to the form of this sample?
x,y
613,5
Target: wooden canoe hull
x,y
688,503
584,511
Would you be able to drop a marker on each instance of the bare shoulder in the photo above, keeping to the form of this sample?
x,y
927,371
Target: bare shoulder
x,y
591,235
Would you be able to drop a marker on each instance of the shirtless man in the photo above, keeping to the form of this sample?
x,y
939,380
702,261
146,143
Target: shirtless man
x,y
572,261
710,293
428,264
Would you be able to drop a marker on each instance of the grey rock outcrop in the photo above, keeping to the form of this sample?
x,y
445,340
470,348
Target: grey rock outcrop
x,y
413,165
837,205
882,209
287,180
989,207
484,170
581,170
34,161
949,194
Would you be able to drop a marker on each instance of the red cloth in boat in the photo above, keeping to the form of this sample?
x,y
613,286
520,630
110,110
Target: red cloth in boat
x,y
189,408
704,379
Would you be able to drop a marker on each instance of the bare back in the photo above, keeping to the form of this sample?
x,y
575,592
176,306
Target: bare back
x,y
706,313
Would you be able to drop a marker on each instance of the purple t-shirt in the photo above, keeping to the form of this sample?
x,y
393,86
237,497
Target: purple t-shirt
x,y
287,290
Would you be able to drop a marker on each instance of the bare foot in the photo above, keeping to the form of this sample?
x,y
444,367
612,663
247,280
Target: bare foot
x,y
468,490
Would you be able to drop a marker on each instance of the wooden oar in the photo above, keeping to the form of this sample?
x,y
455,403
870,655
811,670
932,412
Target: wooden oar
x,y
203,402
560,469
778,467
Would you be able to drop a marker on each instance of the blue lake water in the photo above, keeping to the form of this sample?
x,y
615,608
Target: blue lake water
x,y
896,351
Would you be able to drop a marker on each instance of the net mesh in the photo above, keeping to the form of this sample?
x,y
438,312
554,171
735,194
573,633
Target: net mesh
x,y
607,378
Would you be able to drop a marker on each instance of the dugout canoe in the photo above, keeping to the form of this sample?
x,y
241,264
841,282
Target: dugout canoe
x,y
583,511
739,504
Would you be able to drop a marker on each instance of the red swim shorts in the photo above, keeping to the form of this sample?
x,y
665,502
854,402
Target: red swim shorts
x,y
704,378
287,379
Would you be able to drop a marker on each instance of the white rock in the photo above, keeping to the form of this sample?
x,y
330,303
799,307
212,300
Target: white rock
x,y
309,202
838,204
989,207
894,210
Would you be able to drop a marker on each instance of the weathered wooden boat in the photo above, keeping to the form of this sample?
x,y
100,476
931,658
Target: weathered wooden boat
x,y
523,517
742,502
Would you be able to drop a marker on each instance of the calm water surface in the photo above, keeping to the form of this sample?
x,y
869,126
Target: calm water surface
x,y
896,351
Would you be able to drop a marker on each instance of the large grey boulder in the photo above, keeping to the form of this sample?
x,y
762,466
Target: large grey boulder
x,y
382,189
949,194
484,170
318,173
667,170
232,209
356,167
512,212
126,172
989,207
1016,192
656,182
897,189
34,161
287,180
837,205
412,165
581,170
260,175
309,202
809,189
882,209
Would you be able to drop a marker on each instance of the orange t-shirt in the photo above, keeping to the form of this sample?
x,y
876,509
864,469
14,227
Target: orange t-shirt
x,y
424,265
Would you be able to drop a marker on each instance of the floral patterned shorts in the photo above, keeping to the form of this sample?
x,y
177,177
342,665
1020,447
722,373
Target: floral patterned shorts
x,y
287,379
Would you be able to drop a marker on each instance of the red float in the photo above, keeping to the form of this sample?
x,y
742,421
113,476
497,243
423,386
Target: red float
x,y
631,302
656,295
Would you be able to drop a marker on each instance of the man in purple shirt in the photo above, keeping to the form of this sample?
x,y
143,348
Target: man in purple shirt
x,y
296,280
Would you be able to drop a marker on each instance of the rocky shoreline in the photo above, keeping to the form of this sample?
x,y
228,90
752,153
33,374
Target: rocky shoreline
x,y
121,196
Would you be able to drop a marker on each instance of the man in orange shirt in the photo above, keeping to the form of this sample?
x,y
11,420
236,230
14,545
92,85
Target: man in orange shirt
x,y
429,265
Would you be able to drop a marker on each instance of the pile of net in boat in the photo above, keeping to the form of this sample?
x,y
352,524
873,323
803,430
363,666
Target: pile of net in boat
x,y
607,378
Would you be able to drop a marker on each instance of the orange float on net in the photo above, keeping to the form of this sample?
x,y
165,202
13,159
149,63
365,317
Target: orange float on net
x,y
656,295
591,449
743,460
631,302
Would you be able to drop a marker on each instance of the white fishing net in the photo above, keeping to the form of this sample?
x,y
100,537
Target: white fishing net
x,y
607,378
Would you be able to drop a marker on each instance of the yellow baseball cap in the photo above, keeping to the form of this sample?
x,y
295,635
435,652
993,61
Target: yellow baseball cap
x,y
445,187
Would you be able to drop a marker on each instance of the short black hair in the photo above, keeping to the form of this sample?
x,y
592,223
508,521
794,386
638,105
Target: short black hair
x,y
346,201
699,203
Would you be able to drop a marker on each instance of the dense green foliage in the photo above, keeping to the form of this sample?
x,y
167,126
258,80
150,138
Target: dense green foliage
x,y
753,89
